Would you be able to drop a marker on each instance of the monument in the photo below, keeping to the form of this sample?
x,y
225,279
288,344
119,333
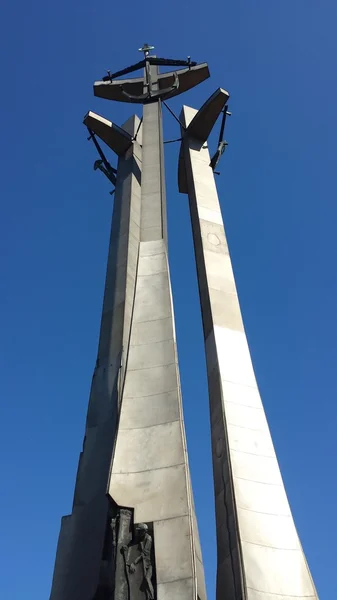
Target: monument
x,y
132,533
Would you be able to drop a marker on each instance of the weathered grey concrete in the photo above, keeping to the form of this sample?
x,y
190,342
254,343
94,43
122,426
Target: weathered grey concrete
x,y
259,553
200,128
135,446
78,560
150,470
153,218
115,137
153,186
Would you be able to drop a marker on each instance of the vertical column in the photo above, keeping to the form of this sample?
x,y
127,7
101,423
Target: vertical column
x,y
79,563
259,553
153,221
150,467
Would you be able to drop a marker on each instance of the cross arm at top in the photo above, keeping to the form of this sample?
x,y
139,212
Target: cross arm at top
x,y
122,90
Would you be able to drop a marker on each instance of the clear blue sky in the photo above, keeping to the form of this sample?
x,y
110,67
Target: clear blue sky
x,y
278,194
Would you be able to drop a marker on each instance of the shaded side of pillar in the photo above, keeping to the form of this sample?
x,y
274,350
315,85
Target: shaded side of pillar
x,y
79,560
150,467
153,218
259,554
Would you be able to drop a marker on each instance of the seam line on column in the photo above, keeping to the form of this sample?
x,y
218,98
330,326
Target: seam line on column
x,y
149,395
213,223
161,253
242,427
256,481
154,273
170,339
147,470
261,512
252,453
153,367
281,595
175,580
273,547
244,405
254,387
218,289
147,426
152,320
171,518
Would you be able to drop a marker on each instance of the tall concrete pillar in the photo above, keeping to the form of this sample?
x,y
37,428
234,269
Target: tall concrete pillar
x,y
133,472
259,553
132,533
150,468
80,562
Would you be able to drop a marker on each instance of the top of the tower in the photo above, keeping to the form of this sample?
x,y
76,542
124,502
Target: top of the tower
x,y
146,49
142,90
